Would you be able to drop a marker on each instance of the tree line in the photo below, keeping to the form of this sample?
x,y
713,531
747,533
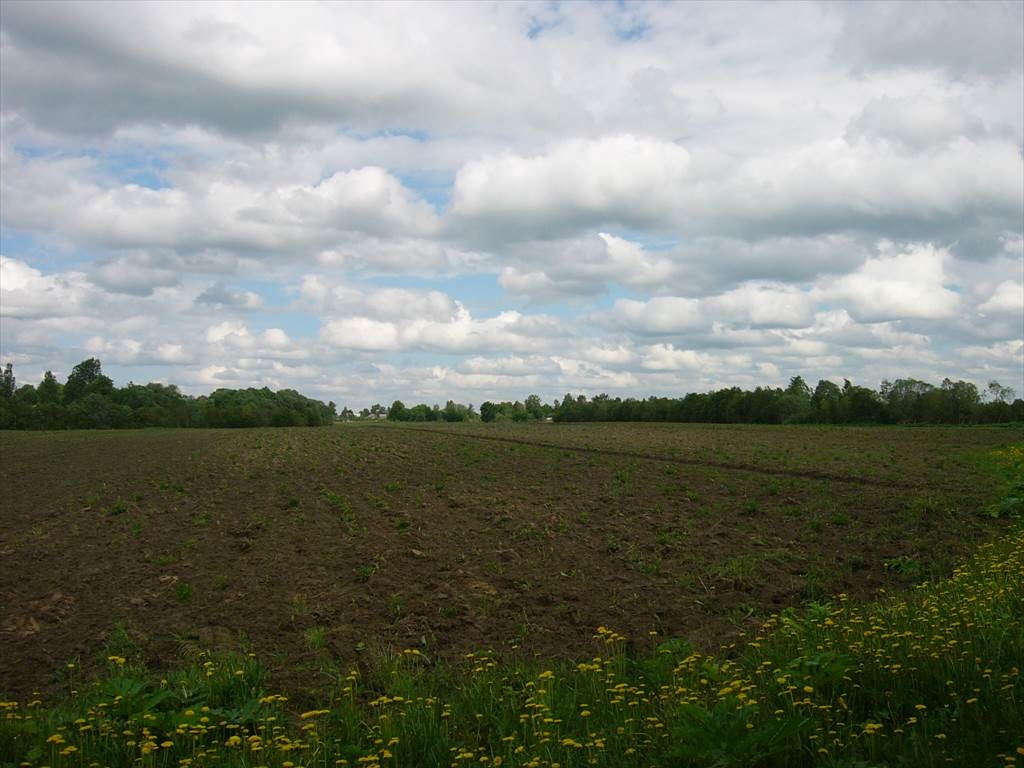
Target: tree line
x,y
398,411
903,401
89,400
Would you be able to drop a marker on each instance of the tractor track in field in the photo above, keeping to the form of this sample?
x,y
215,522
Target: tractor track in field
x,y
805,474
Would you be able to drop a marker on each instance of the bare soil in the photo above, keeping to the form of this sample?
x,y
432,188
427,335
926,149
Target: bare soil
x,y
314,547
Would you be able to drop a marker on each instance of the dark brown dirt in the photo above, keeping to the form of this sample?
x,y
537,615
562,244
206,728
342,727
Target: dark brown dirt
x,y
315,546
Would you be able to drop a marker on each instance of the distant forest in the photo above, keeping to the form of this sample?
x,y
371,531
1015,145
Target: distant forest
x,y
89,400
904,401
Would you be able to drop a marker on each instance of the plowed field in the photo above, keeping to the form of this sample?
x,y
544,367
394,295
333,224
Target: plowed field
x,y
304,544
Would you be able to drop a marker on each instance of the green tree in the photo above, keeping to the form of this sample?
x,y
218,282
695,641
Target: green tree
x,y
798,388
22,408
903,399
996,408
87,378
858,405
794,405
566,410
421,412
454,412
534,407
997,393
93,411
826,399
488,411
7,382
964,399
49,389
936,406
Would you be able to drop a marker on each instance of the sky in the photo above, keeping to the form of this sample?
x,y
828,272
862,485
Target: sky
x,y
474,201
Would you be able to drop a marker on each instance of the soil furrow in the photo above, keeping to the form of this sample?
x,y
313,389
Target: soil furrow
x,y
683,461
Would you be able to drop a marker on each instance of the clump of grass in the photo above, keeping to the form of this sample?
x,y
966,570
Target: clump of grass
x,y
183,591
346,514
906,566
315,637
119,507
1009,465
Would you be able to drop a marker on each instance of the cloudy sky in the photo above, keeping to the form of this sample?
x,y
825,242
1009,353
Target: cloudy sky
x,y
473,201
